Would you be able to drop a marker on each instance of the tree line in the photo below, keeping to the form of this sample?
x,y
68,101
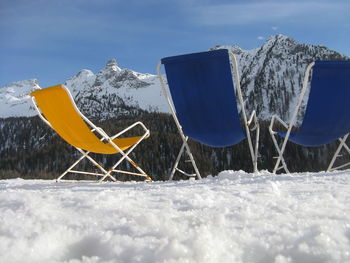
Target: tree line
x,y
30,149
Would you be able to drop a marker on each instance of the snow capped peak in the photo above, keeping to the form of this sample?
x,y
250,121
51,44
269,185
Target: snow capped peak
x,y
83,80
84,73
281,41
112,66
81,76
237,49
272,75
271,78
23,84
15,99
107,94
108,72
234,49
278,37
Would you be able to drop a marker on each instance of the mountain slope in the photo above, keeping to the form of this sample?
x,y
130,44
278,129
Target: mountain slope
x,y
114,91
109,93
271,78
14,98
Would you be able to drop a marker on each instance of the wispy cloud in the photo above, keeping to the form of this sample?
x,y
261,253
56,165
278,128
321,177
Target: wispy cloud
x,y
267,11
28,24
261,38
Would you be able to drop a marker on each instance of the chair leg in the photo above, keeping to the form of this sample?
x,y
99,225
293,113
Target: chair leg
x,y
280,158
256,151
70,168
189,153
253,151
125,156
279,150
85,155
133,163
185,148
342,145
177,162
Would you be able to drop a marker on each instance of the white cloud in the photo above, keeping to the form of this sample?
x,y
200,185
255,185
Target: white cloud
x,y
261,38
274,28
267,11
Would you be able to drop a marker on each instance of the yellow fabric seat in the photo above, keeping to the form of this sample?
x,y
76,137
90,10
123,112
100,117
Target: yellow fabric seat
x,y
56,107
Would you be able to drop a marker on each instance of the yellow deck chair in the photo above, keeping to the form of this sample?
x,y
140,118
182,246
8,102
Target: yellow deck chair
x,y
57,108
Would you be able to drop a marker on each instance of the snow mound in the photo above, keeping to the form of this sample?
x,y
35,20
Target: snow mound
x,y
234,217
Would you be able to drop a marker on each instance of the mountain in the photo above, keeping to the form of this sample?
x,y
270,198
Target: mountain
x,y
14,99
272,75
114,91
109,93
271,79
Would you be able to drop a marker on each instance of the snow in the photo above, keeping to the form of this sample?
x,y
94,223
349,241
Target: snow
x,y
147,98
15,100
277,68
234,217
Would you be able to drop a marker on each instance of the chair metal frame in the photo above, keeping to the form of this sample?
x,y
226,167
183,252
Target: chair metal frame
x,y
103,137
337,154
247,123
291,125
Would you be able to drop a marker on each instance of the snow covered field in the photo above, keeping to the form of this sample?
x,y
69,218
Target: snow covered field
x,y
235,217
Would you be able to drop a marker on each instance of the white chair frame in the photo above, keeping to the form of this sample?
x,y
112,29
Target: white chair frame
x,y
289,127
337,154
104,137
247,123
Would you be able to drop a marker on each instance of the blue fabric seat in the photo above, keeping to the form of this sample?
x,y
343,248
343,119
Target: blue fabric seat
x,y
327,115
204,104
202,90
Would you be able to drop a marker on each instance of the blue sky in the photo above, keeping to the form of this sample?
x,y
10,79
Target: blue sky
x,y
51,40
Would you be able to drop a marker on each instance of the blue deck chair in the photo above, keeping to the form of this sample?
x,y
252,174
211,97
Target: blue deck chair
x,y
327,115
204,103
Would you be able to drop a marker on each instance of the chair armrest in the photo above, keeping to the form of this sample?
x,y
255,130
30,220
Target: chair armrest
x,y
101,132
105,136
146,134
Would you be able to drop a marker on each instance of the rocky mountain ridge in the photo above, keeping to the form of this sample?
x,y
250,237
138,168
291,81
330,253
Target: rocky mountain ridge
x,y
109,93
271,78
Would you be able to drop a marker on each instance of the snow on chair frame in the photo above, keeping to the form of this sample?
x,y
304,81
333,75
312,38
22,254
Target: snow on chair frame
x,y
327,115
203,102
57,109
